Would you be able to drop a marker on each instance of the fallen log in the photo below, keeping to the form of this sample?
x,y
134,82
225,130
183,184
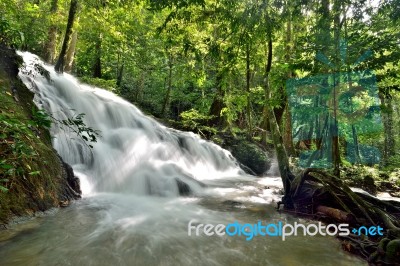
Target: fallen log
x,y
338,215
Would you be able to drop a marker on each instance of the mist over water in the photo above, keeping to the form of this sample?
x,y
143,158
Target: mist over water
x,y
131,213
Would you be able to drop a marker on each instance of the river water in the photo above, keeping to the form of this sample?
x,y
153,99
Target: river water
x,y
131,212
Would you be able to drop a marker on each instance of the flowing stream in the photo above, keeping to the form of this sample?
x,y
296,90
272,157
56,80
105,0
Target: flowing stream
x,y
131,212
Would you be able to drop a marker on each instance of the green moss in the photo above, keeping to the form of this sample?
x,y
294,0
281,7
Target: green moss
x,y
393,250
251,155
31,166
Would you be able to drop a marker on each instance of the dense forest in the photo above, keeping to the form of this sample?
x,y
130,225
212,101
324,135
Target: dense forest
x,y
205,63
314,83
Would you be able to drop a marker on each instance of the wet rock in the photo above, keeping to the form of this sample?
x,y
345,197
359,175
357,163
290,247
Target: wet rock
x,y
70,188
64,203
383,175
183,188
72,180
232,203
369,185
251,156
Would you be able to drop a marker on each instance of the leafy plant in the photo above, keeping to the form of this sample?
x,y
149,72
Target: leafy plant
x,y
15,147
196,121
10,35
101,83
77,125
15,138
40,118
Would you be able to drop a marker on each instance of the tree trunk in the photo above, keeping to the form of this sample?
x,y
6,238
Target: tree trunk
x,y
120,75
387,119
391,136
140,89
169,88
59,67
50,45
218,102
69,62
248,107
335,130
97,59
357,155
283,160
264,126
287,134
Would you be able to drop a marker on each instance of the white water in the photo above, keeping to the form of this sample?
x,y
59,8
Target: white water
x,y
131,214
134,154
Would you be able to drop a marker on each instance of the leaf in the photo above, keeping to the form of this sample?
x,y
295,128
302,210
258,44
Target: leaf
x,y
34,173
3,189
6,166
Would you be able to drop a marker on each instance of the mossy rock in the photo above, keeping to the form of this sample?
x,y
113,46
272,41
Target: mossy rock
x,y
369,184
393,251
251,156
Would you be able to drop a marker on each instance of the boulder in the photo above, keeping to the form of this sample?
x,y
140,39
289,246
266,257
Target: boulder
x,y
251,156
393,251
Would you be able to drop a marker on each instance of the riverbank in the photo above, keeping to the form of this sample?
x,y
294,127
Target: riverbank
x,y
33,178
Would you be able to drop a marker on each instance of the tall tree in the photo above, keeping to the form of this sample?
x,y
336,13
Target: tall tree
x,y
60,65
69,60
50,45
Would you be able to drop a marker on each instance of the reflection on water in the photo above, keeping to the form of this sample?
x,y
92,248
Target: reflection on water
x,y
116,229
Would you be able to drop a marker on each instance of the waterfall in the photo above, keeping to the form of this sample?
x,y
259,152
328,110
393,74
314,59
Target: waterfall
x,y
134,153
118,223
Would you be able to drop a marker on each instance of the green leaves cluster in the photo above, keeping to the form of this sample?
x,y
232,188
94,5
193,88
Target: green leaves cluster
x,y
195,121
15,139
17,136
77,125
9,34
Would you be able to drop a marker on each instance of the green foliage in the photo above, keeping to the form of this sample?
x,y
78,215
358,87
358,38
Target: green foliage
x,y
9,34
77,125
15,136
40,118
196,51
196,121
101,83
393,163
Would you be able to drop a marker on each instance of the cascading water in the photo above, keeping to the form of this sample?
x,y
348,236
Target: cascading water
x,y
130,214
134,154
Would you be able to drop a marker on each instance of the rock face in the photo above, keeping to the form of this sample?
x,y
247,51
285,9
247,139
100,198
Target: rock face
x,y
183,188
71,189
53,183
251,156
